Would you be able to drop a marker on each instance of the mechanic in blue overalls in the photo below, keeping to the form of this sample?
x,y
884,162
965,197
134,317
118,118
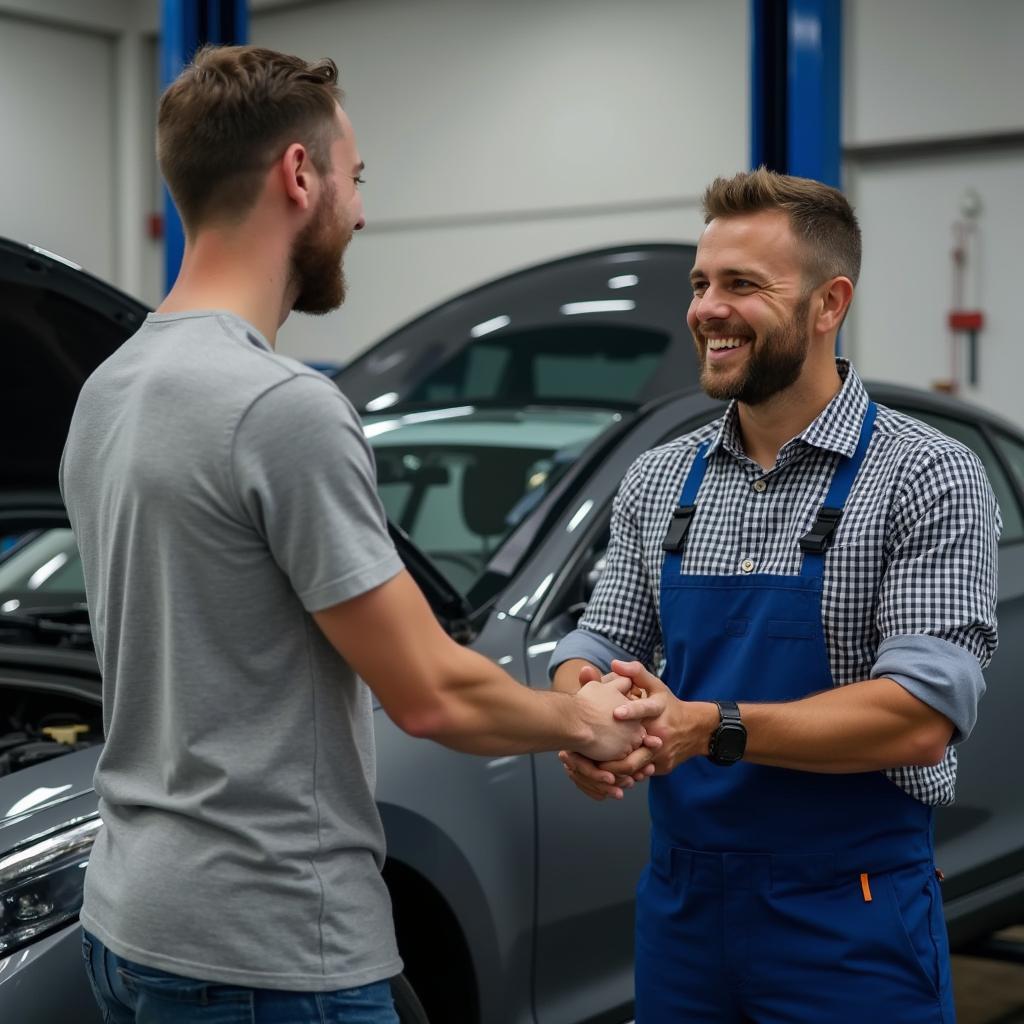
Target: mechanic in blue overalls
x,y
820,573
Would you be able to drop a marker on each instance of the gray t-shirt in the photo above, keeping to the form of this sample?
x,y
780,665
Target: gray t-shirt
x,y
219,493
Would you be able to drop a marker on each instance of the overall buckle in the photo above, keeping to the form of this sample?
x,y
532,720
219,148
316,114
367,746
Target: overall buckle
x,y
819,539
682,516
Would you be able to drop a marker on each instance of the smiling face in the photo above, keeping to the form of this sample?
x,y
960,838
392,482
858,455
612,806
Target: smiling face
x,y
749,313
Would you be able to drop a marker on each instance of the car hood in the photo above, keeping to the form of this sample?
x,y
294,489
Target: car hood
x,y
45,796
57,324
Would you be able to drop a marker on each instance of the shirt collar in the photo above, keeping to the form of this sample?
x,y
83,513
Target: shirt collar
x,y
836,428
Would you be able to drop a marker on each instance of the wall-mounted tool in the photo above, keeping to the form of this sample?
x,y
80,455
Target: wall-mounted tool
x,y
966,318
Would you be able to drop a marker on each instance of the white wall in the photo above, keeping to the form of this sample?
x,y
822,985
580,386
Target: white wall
x,y
499,134
940,70
931,68
907,208
57,117
76,134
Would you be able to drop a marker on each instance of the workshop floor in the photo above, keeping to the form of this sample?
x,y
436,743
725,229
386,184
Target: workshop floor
x,y
989,991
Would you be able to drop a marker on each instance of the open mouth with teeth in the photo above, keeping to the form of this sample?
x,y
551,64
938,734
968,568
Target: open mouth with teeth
x,y
720,348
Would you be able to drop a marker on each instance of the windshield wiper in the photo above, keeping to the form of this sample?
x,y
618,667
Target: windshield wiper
x,y
448,604
61,625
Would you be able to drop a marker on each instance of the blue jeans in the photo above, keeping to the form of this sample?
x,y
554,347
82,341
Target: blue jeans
x,y
131,993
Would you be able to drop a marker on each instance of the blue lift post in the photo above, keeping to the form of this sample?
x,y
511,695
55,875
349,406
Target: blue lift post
x,y
796,75
795,89
185,25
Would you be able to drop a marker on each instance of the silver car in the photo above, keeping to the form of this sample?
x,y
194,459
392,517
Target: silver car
x,y
502,422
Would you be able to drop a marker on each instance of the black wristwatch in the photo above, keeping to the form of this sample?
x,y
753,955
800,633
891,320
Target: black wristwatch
x,y
729,740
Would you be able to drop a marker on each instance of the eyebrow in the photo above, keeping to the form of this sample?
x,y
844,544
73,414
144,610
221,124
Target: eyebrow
x,y
728,272
360,167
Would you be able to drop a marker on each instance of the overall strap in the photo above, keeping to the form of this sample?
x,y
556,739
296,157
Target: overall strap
x,y
682,515
818,540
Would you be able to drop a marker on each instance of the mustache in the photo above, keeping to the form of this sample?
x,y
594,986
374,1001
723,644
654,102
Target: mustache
x,y
723,328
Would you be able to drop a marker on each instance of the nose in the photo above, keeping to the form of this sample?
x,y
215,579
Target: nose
x,y
711,305
360,215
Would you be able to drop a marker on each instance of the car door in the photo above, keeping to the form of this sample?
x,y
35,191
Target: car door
x,y
589,854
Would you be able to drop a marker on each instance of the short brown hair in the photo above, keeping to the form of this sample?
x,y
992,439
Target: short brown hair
x,y
225,119
820,216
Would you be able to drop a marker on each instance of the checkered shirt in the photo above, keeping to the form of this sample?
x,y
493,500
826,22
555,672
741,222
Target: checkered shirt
x,y
915,552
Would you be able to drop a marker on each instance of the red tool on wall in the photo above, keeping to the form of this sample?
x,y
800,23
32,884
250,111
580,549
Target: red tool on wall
x,y
965,318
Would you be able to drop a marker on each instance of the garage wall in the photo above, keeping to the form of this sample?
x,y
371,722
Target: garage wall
x,y
498,134
57,115
907,208
931,68
923,80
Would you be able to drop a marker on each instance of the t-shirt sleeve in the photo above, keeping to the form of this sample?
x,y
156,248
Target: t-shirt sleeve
x,y
305,477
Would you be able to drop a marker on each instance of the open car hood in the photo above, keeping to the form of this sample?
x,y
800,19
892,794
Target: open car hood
x,y
57,324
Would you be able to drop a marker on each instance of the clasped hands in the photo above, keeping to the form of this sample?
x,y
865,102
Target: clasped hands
x,y
658,745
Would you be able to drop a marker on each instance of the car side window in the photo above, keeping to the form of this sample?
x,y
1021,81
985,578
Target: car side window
x,y
970,435
1013,451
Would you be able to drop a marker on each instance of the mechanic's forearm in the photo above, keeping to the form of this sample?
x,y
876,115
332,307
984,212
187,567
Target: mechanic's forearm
x,y
567,676
865,726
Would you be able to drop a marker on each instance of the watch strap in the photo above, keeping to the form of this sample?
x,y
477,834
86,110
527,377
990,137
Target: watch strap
x,y
728,711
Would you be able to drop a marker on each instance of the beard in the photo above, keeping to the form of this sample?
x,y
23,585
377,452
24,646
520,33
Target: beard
x,y
773,364
316,262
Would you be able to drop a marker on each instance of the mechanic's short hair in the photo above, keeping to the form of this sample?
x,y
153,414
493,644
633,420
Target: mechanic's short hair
x,y
820,217
233,111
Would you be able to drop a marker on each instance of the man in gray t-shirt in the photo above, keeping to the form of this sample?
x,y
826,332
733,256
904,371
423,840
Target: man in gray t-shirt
x,y
242,584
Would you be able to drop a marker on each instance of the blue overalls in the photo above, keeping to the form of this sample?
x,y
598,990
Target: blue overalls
x,y
779,896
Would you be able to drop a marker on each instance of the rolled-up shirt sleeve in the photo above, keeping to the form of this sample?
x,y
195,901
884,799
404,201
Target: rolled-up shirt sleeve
x,y
621,619
937,601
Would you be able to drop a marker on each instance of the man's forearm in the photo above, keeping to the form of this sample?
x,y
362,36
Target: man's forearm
x,y
865,726
434,688
567,676
479,712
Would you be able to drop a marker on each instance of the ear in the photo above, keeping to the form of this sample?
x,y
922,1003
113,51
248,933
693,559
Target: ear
x,y
296,170
829,306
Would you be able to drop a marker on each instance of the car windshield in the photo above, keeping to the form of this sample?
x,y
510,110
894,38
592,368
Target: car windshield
x,y
459,480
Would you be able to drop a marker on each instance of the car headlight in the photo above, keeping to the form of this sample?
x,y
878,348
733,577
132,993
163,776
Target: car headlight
x,y
41,883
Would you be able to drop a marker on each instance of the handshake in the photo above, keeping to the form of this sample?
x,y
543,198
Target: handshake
x,y
639,728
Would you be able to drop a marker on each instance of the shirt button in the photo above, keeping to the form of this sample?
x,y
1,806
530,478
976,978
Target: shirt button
x,y
747,565
760,486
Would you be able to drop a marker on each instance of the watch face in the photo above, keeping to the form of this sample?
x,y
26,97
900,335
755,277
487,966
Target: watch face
x,y
730,742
